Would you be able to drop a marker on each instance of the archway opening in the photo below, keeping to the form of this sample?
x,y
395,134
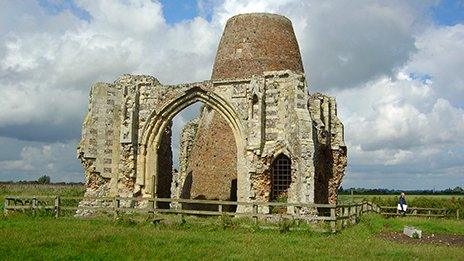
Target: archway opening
x,y
203,152
281,178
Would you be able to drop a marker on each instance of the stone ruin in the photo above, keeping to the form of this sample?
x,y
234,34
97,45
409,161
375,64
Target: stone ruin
x,y
260,135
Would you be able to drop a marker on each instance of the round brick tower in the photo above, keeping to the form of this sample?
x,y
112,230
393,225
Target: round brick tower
x,y
254,43
250,45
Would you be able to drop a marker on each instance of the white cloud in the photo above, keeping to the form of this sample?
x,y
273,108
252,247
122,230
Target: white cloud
x,y
344,44
398,78
441,57
46,70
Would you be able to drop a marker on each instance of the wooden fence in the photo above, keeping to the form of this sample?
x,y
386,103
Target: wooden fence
x,y
417,212
338,216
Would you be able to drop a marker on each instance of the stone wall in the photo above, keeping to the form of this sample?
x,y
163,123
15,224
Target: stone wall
x,y
125,147
246,123
330,157
99,149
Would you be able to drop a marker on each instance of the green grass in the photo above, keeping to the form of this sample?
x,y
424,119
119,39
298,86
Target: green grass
x,y
68,238
24,237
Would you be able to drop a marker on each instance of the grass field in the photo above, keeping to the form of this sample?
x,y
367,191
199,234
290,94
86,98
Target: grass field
x,y
25,237
67,238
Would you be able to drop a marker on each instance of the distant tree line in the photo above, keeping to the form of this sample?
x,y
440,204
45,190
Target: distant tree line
x,y
379,191
44,179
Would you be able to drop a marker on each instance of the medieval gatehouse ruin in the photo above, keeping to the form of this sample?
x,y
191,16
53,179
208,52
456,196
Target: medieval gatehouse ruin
x,y
260,135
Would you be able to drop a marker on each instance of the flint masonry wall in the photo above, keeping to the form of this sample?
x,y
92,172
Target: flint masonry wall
x,y
330,158
125,147
108,148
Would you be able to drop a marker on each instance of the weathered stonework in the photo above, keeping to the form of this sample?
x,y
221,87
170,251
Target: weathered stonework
x,y
330,151
248,120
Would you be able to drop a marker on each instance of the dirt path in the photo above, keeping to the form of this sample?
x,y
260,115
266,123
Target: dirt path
x,y
438,239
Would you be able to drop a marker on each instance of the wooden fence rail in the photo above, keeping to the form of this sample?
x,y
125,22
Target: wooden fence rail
x,y
416,212
339,216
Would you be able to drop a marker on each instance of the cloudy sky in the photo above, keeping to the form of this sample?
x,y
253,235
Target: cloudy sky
x,y
396,69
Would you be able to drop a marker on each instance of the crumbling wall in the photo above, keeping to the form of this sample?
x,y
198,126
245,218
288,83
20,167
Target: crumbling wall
x,y
330,158
183,181
286,127
99,149
259,87
109,144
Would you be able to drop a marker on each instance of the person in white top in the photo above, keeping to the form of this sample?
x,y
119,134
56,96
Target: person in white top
x,y
402,206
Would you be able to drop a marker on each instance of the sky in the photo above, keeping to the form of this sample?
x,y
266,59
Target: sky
x,y
396,69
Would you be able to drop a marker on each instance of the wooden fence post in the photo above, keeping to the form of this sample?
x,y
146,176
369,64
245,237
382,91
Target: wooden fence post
x,y
343,215
333,220
5,206
115,208
154,205
57,206
297,210
34,206
353,214
255,212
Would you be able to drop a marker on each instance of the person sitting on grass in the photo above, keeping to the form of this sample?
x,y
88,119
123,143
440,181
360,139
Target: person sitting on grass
x,y
402,206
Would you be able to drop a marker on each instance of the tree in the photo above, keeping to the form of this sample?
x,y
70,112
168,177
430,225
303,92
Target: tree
x,y
44,179
458,190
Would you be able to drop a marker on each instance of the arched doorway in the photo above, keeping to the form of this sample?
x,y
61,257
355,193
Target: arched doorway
x,y
148,159
204,172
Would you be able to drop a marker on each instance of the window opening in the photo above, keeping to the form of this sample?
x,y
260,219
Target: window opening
x,y
281,177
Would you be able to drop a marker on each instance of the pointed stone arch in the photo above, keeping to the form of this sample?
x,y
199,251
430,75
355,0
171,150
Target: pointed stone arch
x,y
147,159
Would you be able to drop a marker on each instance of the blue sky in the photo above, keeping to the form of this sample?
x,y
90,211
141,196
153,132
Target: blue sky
x,y
446,12
397,75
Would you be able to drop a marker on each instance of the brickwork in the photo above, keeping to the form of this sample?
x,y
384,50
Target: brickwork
x,y
213,161
254,43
